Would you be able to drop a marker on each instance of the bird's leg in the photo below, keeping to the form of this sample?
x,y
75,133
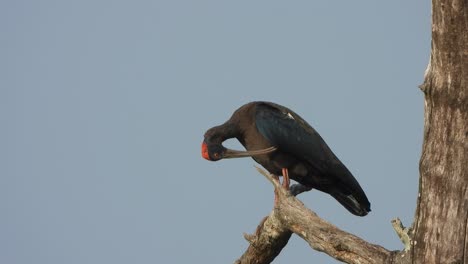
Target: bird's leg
x,y
285,178
285,183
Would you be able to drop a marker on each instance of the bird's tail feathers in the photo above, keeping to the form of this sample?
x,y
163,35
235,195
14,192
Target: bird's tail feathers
x,y
351,203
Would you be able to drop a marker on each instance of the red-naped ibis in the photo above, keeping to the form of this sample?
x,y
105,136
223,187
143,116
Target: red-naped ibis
x,y
285,144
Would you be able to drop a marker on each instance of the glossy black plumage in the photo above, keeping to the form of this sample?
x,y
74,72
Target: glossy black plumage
x,y
299,148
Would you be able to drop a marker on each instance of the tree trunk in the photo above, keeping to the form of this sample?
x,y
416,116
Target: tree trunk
x,y
440,227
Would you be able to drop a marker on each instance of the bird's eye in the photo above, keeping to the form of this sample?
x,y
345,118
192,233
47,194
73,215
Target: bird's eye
x,y
216,155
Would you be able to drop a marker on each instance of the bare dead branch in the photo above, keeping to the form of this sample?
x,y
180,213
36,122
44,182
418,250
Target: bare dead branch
x,y
291,216
402,232
269,239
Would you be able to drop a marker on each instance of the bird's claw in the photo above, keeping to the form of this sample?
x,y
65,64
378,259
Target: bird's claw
x,y
298,188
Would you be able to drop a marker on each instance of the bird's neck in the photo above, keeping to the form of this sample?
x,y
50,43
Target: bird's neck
x,y
225,131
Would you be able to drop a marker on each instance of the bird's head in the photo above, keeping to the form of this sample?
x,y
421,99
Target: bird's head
x,y
212,147
213,152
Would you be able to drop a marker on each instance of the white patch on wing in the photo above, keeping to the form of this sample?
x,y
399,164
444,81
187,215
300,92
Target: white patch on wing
x,y
290,116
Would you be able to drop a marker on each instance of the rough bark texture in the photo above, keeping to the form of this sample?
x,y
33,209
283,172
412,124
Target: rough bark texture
x,y
267,242
440,230
290,215
442,211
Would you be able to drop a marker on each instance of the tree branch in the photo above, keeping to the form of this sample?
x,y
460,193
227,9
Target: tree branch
x,y
267,242
291,216
402,232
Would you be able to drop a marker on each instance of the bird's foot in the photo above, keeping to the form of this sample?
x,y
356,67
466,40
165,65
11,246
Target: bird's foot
x,y
298,188
285,178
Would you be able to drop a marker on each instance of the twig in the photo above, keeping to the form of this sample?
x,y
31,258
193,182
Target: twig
x,y
402,232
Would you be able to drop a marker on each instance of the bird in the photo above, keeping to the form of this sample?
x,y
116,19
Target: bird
x,y
285,144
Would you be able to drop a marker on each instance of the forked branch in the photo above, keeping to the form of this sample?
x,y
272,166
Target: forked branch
x,y
291,216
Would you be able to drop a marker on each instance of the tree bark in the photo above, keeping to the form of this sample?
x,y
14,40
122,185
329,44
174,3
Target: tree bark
x,y
290,215
269,239
440,229
442,209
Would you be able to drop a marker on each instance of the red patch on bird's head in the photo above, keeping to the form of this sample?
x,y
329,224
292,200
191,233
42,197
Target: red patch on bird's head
x,y
204,151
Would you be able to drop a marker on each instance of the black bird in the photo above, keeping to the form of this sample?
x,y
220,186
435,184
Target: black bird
x,y
285,144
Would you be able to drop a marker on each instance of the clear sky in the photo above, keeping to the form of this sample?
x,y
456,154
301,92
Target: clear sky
x,y
103,107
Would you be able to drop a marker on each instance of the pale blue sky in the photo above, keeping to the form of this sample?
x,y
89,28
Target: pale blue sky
x,y
104,104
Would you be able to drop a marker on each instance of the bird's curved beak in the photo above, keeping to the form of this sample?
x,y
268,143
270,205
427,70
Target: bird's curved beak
x,y
231,153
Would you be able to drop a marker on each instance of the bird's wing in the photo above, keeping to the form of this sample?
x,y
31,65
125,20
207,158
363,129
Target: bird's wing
x,y
291,134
